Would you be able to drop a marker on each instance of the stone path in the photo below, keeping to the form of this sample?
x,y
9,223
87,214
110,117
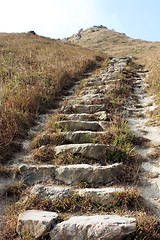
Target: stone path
x,y
85,117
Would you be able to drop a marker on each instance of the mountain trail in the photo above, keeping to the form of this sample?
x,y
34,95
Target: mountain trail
x,y
83,118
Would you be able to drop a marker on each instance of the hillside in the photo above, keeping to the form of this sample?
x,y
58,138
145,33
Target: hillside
x,y
34,72
147,53
116,44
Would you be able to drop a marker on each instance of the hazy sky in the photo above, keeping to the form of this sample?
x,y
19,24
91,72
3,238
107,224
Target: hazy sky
x,y
63,18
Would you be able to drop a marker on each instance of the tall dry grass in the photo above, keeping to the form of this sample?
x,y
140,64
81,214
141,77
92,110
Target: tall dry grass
x,y
151,61
34,71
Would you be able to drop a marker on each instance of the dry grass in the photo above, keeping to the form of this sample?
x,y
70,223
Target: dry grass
x,y
154,84
34,72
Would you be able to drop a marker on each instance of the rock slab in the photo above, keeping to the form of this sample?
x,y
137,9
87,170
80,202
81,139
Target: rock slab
x,y
51,192
97,227
103,196
87,150
35,223
79,125
92,174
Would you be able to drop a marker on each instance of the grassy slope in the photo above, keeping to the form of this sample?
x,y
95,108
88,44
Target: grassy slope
x,y
114,43
34,72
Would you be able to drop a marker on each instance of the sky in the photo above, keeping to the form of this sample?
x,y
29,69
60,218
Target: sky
x,y
63,18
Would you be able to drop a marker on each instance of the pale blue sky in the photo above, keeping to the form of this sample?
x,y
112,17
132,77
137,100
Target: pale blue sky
x,y
62,18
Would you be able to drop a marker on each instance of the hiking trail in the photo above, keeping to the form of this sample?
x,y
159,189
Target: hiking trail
x,y
84,117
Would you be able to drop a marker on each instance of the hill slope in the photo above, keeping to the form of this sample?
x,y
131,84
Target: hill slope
x,y
34,72
113,43
118,44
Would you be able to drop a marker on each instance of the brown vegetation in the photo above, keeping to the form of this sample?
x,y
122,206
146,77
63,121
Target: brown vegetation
x,y
34,72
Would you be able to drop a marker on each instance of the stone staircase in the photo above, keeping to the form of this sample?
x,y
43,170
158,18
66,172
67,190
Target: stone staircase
x,y
86,118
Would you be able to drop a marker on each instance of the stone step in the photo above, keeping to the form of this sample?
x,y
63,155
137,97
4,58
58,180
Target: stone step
x,y
82,136
88,99
78,108
90,89
96,83
87,150
95,227
88,102
70,174
71,125
98,116
51,192
103,196
90,174
104,90
87,90
32,174
36,223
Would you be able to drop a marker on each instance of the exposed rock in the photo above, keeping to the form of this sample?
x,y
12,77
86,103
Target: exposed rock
x,y
104,227
87,90
87,101
95,83
87,150
82,136
89,108
32,174
98,116
32,32
104,196
79,125
118,64
83,108
35,223
102,116
92,174
51,192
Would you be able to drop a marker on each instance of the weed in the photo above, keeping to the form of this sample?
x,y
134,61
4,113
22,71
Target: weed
x,y
130,199
148,227
48,139
14,189
43,154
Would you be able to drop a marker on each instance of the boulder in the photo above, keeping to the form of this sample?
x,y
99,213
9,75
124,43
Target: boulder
x,y
91,174
87,150
104,227
35,223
